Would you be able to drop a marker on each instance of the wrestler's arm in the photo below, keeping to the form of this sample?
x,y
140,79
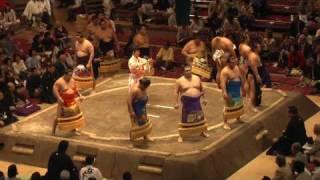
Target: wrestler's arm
x,y
254,60
185,50
129,103
77,91
55,90
91,51
242,77
223,79
177,93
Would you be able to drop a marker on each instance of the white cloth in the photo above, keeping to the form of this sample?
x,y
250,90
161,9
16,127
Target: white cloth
x,y
137,66
31,9
19,67
90,171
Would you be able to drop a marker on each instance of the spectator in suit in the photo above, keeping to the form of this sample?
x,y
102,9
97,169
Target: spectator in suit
x,y
6,110
296,26
59,161
47,81
139,18
61,65
34,84
315,150
283,171
12,172
298,154
299,171
294,132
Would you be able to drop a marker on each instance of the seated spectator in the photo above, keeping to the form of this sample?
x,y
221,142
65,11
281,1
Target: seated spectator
x,y
18,94
128,49
259,8
231,28
315,149
215,23
139,18
10,17
61,65
34,84
73,10
60,161
147,7
305,5
298,154
127,176
8,45
298,168
33,61
37,46
296,59
172,22
232,7
162,5
216,7
35,176
246,14
165,57
32,11
61,35
47,81
294,132
196,25
269,47
284,51
296,26
48,42
89,171
18,66
6,110
283,171
12,172
107,7
183,35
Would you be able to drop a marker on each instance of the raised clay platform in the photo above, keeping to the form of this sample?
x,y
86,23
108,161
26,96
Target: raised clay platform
x,y
106,134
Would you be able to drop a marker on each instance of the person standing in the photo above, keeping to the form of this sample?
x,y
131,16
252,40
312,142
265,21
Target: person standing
x,y
69,116
232,89
137,102
137,67
189,91
85,55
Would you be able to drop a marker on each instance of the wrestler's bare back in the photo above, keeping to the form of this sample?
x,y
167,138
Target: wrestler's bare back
x,y
191,87
223,43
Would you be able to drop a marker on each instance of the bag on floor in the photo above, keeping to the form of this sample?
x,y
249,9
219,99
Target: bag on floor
x,y
27,109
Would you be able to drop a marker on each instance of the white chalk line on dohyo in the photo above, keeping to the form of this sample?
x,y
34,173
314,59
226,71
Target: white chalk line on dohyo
x,y
93,136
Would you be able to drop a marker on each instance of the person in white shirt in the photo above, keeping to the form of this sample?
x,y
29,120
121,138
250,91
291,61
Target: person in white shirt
x,y
196,25
18,65
32,10
137,67
10,17
89,171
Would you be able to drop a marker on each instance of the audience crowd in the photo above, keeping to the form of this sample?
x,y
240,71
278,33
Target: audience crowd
x,y
302,150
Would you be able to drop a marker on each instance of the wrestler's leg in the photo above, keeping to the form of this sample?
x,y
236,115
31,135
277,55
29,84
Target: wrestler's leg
x,y
252,92
226,125
218,79
55,122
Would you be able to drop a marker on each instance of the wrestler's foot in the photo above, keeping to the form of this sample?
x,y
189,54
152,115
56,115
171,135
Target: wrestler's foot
x,y
93,92
240,121
204,134
148,139
254,109
226,126
77,132
180,140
